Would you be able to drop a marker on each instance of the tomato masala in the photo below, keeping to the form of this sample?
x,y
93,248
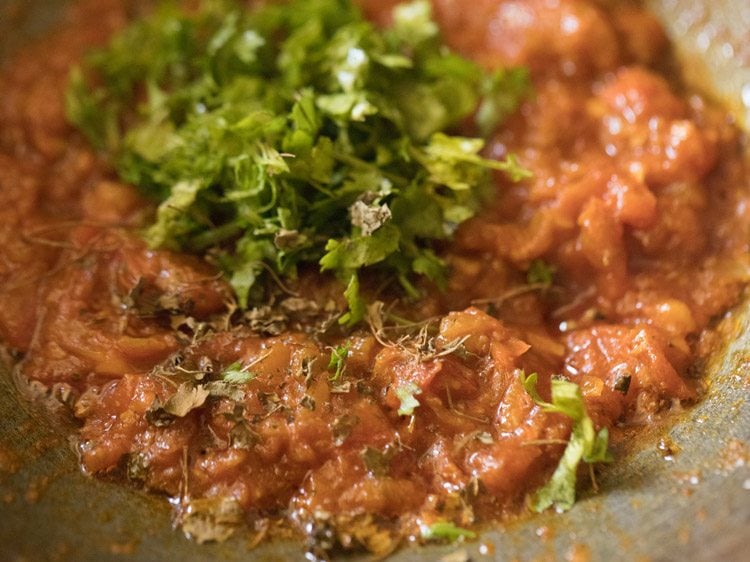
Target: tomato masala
x,y
607,267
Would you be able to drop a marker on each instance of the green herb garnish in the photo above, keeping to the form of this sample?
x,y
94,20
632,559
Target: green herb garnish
x,y
584,444
540,273
296,133
445,530
337,363
237,374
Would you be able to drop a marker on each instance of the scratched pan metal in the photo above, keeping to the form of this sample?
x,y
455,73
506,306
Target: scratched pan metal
x,y
690,506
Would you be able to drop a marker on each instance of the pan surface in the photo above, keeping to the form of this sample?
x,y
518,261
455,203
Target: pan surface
x,y
681,492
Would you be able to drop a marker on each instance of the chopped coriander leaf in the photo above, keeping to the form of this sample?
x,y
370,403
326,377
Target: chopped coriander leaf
x,y
445,530
584,443
296,133
355,302
540,273
337,362
406,394
237,374
502,91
